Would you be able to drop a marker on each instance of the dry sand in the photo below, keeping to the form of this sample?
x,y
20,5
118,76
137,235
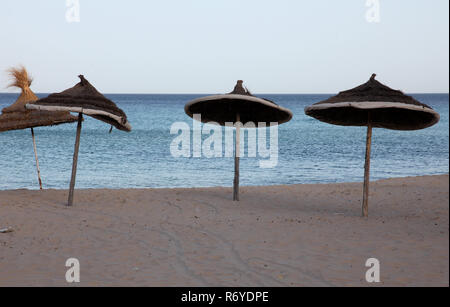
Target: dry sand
x,y
299,235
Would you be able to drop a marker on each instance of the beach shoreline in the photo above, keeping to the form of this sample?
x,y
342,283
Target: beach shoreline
x,y
289,235
218,187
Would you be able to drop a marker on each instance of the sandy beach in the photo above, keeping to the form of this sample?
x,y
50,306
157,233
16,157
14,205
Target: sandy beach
x,y
299,235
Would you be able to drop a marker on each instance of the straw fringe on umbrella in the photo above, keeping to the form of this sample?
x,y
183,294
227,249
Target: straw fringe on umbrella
x,y
238,107
374,105
83,98
16,117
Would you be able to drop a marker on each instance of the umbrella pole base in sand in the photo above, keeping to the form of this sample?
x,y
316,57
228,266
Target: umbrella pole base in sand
x,y
365,206
37,160
236,160
75,160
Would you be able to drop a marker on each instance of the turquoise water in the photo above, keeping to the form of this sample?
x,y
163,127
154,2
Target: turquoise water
x,y
309,151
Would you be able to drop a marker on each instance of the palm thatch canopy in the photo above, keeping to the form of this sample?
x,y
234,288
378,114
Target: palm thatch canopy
x,y
223,109
17,117
84,98
388,108
239,106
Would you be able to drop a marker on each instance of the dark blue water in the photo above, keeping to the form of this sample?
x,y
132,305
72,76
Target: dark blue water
x,y
309,151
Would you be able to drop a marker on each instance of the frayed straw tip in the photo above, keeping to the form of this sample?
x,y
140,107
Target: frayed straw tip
x,y
19,77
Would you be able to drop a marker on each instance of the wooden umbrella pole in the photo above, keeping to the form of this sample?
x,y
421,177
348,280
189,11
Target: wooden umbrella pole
x,y
37,160
365,207
236,159
75,160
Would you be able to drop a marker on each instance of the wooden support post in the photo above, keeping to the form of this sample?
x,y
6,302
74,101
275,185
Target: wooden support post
x,y
365,206
36,157
236,159
75,160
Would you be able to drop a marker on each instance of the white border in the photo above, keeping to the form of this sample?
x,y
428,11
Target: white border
x,y
238,97
78,110
372,105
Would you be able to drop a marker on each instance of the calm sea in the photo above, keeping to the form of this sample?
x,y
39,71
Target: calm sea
x,y
309,151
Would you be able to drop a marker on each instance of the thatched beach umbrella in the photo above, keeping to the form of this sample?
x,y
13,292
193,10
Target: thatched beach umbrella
x,y
83,98
16,117
239,106
374,105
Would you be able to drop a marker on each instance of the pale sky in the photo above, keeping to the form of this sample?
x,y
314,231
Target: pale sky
x,y
204,46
